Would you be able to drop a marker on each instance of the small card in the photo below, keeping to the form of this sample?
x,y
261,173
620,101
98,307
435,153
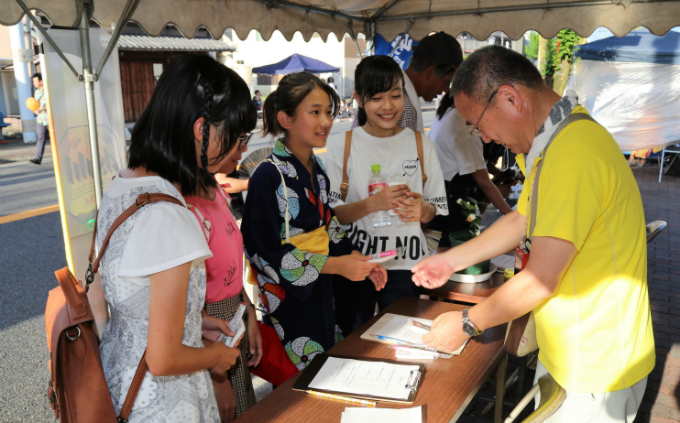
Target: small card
x,y
237,326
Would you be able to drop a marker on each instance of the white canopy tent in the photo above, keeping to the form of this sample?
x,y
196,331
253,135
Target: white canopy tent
x,y
388,17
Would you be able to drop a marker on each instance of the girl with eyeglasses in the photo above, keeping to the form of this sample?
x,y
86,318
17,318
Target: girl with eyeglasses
x,y
224,290
153,273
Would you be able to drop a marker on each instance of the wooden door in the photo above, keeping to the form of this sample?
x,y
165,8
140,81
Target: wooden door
x,y
137,81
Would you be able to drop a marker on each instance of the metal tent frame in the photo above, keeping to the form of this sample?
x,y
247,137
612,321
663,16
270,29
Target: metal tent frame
x,y
88,76
369,18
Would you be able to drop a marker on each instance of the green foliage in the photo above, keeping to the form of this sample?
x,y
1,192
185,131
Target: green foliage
x,y
551,63
565,43
531,50
470,210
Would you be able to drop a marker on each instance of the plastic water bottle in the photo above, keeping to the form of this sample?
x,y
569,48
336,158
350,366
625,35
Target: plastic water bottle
x,y
396,179
376,184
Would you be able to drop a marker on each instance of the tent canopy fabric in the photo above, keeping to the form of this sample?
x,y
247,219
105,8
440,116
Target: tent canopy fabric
x,y
296,63
638,46
387,17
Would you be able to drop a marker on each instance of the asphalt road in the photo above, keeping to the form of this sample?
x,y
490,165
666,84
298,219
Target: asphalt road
x,y
30,251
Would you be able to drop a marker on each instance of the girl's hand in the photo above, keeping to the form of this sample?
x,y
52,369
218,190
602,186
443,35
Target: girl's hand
x,y
379,277
414,208
226,357
254,339
410,207
226,400
385,199
213,328
354,266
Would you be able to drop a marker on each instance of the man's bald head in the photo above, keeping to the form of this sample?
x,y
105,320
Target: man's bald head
x,y
489,67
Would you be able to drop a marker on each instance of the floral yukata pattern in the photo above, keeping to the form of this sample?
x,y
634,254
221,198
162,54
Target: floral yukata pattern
x,y
298,299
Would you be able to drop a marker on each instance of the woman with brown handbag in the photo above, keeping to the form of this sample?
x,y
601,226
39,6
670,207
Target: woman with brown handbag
x,y
152,273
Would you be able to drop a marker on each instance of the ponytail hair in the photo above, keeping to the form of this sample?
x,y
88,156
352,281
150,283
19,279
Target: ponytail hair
x,y
292,90
375,75
446,104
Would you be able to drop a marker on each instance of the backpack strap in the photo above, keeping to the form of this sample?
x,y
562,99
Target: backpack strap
x,y
419,146
344,186
141,201
135,386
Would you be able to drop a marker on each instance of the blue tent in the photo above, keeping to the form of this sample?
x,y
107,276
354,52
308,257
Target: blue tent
x,y
637,46
296,63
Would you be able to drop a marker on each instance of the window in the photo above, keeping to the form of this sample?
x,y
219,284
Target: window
x,y
157,70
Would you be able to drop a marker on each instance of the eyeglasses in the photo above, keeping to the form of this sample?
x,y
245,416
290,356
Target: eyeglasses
x,y
473,129
243,140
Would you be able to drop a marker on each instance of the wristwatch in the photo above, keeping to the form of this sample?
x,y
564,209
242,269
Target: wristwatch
x,y
468,327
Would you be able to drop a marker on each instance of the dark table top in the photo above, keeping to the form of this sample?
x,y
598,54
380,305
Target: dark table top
x,y
467,292
446,389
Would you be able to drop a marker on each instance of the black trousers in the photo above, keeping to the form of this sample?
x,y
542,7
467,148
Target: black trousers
x,y
42,133
355,301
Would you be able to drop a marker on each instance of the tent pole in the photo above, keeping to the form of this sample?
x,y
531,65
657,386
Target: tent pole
x,y
49,39
408,28
129,10
354,37
88,78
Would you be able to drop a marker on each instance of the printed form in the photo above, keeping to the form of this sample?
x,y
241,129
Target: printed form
x,y
359,377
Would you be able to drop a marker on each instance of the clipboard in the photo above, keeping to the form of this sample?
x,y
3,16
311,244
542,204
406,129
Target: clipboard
x,y
386,318
307,376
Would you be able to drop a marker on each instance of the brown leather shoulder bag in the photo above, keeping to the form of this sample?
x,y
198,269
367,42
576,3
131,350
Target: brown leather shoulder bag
x,y
78,392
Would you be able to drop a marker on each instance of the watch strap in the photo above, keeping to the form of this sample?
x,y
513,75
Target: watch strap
x,y
466,319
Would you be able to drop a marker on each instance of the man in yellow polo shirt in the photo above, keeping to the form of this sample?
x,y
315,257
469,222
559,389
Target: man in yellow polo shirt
x,y
586,278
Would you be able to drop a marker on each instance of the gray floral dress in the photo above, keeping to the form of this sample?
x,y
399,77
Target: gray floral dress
x,y
158,237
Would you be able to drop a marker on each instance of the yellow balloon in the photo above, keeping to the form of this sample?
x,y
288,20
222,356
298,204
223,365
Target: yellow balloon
x,y
32,104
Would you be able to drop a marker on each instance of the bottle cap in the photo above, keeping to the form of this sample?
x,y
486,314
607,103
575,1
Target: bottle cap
x,y
375,168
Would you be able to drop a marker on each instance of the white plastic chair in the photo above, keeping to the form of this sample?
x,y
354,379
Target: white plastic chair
x,y
552,397
654,229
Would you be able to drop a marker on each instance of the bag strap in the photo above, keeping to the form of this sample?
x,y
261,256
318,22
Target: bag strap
x,y
141,201
205,223
574,117
134,390
286,216
419,146
344,186
68,287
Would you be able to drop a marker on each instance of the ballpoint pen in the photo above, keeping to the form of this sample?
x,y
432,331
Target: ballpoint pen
x,y
394,340
349,400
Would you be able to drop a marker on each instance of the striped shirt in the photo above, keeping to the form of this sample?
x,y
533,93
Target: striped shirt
x,y
41,118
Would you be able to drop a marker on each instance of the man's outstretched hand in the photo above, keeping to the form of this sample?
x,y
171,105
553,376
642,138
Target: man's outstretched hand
x,y
432,272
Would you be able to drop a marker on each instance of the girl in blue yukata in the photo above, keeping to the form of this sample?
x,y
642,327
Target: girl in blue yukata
x,y
293,241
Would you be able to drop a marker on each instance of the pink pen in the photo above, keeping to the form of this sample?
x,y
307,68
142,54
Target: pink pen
x,y
384,254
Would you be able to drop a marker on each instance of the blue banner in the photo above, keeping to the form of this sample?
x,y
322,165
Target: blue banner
x,y
402,54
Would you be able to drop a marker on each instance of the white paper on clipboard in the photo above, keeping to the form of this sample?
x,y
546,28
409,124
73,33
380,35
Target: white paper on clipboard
x,y
399,327
360,377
